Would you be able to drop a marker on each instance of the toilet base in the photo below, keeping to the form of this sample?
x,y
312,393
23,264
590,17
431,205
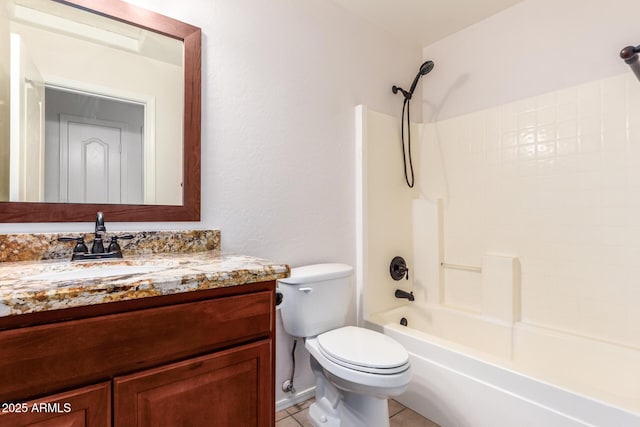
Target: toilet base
x,y
339,408
356,414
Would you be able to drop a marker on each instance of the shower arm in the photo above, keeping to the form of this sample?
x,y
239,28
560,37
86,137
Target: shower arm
x,y
407,95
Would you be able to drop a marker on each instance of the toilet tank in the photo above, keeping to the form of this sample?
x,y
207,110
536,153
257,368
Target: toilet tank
x,y
315,298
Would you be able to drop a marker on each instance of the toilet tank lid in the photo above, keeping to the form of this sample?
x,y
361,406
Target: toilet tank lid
x,y
317,273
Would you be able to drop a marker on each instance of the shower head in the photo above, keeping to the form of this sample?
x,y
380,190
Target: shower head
x,y
630,56
424,69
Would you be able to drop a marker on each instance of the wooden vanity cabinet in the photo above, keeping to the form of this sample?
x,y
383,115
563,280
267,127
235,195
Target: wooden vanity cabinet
x,y
202,358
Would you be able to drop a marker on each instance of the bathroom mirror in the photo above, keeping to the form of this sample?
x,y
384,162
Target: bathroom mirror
x,y
99,111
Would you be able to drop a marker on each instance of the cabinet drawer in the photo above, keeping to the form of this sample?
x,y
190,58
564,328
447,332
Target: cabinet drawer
x,y
77,352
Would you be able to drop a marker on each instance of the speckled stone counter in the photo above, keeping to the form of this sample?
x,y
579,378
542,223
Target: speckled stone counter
x,y
43,246
32,286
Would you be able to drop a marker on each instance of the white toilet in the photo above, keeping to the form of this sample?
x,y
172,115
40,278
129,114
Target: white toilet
x,y
356,369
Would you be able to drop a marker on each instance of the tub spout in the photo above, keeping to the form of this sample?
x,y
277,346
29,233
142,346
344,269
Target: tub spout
x,y
403,294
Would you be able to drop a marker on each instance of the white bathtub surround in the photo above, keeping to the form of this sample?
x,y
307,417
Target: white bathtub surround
x,y
540,150
432,179
544,190
501,287
555,180
385,201
427,247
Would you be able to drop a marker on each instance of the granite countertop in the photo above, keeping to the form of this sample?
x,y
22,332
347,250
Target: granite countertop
x,y
32,286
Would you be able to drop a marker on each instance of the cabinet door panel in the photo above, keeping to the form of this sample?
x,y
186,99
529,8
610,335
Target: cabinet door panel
x,y
85,407
229,388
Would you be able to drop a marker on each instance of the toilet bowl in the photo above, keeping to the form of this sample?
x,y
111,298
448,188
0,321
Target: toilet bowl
x,y
356,369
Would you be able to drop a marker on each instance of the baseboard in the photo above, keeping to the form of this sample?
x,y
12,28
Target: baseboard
x,y
294,398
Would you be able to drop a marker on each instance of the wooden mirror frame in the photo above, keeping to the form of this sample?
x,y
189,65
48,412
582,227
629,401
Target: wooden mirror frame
x,y
190,208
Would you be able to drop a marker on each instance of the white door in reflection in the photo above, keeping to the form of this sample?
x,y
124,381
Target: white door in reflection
x,y
92,151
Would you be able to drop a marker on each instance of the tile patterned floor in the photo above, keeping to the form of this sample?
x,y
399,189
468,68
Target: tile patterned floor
x,y
399,416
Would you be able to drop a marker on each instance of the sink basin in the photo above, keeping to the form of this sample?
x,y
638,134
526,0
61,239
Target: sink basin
x,y
97,272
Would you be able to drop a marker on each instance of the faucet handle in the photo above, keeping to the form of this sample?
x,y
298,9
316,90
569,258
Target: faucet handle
x,y
125,236
398,268
80,245
114,246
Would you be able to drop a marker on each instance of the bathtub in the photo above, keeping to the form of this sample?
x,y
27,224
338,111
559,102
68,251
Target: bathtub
x,y
470,371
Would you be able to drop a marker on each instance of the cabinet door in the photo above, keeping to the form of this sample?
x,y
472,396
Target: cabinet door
x,y
228,388
87,406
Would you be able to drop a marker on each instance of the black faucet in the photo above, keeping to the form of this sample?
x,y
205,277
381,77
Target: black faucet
x,y
98,246
80,251
100,223
403,294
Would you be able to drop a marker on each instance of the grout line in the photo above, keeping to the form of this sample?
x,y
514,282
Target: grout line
x,y
399,412
290,416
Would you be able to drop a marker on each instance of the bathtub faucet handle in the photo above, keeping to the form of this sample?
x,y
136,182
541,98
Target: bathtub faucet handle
x,y
398,268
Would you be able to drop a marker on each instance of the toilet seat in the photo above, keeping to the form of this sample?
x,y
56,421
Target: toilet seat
x,y
355,378
363,350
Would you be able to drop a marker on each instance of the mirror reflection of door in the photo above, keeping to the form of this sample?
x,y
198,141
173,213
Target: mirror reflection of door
x,y
94,148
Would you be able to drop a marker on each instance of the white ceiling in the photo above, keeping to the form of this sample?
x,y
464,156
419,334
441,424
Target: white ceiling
x,y
423,22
